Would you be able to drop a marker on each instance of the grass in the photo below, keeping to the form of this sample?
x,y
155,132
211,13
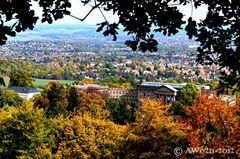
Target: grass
x,y
42,82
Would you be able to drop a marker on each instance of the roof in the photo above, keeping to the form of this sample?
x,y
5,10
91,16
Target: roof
x,y
24,89
170,85
159,84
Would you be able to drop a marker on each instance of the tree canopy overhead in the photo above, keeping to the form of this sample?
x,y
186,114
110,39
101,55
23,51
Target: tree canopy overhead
x,y
218,34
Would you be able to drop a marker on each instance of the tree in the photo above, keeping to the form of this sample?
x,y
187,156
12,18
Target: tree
x,y
87,81
184,97
218,34
20,78
84,137
154,134
22,131
53,99
103,93
214,125
73,99
94,104
9,98
120,111
197,72
57,96
2,82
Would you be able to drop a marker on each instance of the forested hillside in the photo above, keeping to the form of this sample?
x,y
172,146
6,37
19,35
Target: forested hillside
x,y
47,70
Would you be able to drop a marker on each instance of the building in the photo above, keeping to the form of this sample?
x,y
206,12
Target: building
x,y
164,92
129,94
229,99
25,92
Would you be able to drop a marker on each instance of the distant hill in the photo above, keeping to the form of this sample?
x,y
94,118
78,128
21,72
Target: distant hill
x,y
72,33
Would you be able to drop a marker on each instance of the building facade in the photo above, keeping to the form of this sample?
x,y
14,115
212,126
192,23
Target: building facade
x,y
129,94
164,92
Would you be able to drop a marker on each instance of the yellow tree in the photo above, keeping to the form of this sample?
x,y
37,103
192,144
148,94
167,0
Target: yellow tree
x,y
84,137
154,134
87,81
22,129
93,103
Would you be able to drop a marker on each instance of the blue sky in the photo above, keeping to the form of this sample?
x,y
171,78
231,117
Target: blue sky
x,y
80,11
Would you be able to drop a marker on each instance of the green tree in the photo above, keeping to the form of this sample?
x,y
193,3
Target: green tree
x,y
73,99
184,97
58,103
121,111
197,72
20,78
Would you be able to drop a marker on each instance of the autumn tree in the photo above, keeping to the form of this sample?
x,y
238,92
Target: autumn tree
x,y
102,92
93,104
53,99
40,101
87,81
9,98
214,125
122,85
21,78
154,134
84,137
22,131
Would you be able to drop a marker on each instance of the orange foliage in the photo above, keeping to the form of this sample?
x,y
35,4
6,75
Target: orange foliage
x,y
87,81
93,103
214,125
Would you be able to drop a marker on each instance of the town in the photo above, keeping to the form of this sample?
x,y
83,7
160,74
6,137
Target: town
x,y
60,60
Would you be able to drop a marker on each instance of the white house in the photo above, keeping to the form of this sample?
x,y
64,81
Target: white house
x,y
25,92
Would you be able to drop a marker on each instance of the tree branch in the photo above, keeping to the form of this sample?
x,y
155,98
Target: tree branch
x,y
191,8
82,19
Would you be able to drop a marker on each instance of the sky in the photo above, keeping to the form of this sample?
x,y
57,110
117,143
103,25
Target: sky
x,y
80,11
95,17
